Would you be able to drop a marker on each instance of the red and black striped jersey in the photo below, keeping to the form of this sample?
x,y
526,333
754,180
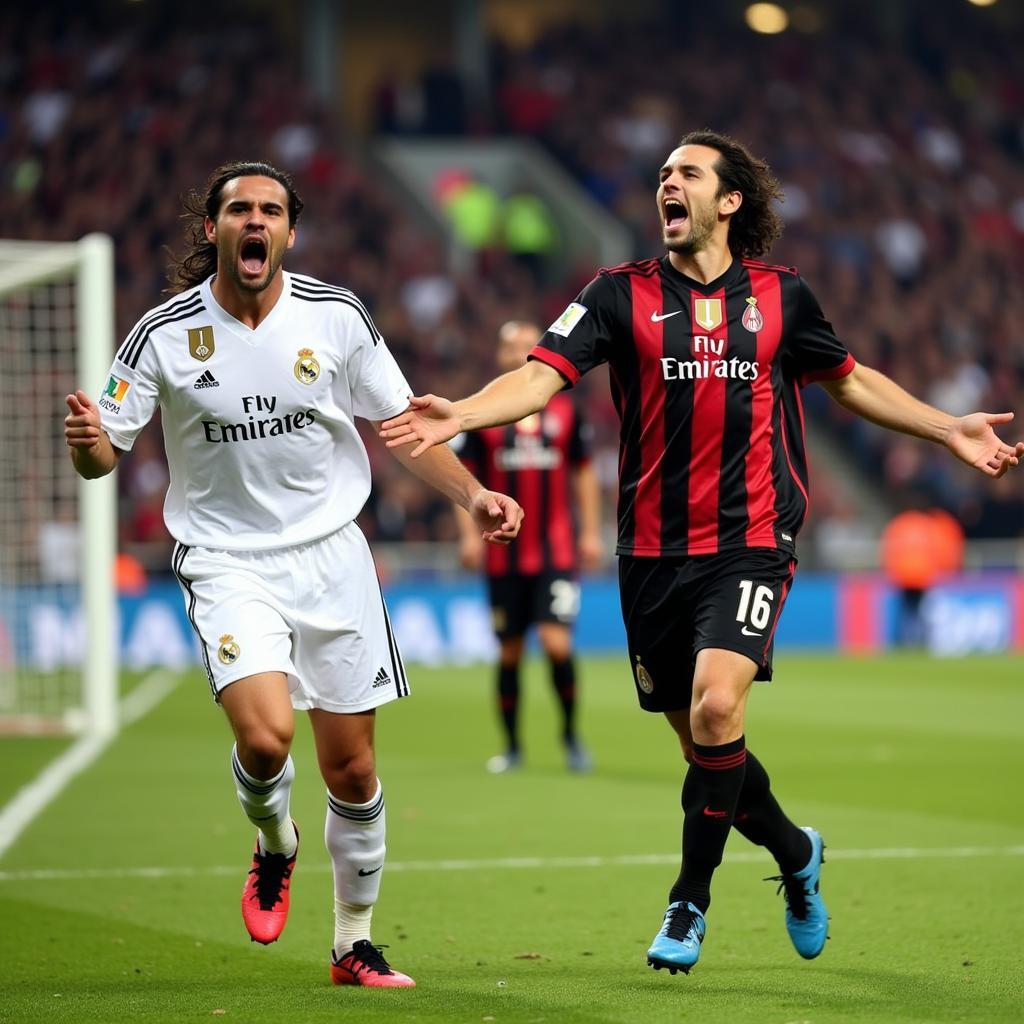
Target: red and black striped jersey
x,y
532,461
706,380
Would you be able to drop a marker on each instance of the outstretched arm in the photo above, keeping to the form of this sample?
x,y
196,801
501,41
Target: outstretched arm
x,y
497,516
971,439
431,420
92,454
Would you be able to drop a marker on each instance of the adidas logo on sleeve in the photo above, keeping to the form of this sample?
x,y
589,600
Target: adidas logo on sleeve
x,y
206,380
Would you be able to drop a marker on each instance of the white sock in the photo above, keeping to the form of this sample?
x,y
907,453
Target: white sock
x,y
266,805
351,923
354,835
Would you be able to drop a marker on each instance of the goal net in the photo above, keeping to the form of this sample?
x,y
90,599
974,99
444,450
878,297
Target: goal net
x,y
58,656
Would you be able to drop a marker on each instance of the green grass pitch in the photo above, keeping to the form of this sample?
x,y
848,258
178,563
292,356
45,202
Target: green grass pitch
x,y
531,899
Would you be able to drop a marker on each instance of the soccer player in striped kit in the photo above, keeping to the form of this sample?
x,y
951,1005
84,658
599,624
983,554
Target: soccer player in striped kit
x,y
259,375
708,349
544,463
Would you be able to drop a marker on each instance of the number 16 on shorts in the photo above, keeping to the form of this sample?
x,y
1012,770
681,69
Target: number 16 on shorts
x,y
755,606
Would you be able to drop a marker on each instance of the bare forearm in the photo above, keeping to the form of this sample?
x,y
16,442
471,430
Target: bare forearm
x,y
464,521
510,397
97,461
875,397
439,467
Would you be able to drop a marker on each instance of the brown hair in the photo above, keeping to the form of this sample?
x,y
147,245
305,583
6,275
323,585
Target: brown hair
x,y
200,261
755,226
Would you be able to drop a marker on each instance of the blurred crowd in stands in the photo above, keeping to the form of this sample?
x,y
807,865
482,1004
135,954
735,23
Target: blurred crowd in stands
x,y
901,159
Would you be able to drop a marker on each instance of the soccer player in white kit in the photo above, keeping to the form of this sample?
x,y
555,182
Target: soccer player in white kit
x,y
259,375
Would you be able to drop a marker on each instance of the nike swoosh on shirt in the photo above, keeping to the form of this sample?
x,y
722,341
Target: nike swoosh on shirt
x,y
658,317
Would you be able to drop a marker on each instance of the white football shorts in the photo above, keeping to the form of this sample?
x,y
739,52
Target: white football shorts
x,y
314,611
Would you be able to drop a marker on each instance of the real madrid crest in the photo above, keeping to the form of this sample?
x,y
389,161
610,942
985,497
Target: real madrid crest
x,y
752,318
228,652
307,369
643,677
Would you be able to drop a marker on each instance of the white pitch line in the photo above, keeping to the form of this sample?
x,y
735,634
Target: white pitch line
x,y
519,863
147,695
29,802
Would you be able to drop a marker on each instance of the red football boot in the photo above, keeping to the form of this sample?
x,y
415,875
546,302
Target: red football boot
x,y
364,964
265,898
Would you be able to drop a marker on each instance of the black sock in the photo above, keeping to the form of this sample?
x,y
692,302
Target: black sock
x,y
760,819
563,678
508,704
710,792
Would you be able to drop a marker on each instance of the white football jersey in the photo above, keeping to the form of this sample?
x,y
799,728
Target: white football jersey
x,y
259,425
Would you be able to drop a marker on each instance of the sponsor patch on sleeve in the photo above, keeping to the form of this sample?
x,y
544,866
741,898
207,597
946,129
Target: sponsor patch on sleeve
x,y
573,314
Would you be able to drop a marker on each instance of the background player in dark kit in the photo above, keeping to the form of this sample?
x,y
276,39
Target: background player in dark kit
x,y
544,460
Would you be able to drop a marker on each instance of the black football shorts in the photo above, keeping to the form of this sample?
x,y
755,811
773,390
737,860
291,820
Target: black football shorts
x,y
675,607
519,601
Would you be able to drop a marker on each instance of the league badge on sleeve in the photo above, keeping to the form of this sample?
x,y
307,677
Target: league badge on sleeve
x,y
573,314
116,388
113,394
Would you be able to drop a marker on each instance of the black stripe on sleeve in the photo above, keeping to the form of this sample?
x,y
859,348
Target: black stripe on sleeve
x,y
132,348
325,293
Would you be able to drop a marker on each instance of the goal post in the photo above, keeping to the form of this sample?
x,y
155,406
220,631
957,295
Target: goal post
x,y
58,611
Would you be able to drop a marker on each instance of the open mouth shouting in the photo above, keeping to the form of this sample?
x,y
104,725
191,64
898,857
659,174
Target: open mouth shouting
x,y
253,257
675,214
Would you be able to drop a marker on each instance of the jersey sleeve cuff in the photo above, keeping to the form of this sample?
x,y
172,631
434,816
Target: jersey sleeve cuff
x,y
831,373
119,441
399,406
556,362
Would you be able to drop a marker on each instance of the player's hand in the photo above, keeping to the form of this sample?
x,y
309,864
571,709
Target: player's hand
x,y
471,553
82,424
498,516
429,420
591,552
972,439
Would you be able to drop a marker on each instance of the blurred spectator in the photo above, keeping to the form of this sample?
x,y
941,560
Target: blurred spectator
x,y
529,232
130,575
473,207
918,549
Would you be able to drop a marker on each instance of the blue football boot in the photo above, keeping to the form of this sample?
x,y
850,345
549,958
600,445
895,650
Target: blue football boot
x,y
806,916
677,945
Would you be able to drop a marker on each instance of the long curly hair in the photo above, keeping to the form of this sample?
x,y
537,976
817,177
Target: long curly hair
x,y
200,259
755,226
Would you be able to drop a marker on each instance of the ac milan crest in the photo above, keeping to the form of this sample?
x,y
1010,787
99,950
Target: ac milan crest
x,y
752,318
